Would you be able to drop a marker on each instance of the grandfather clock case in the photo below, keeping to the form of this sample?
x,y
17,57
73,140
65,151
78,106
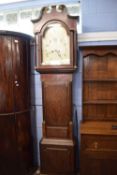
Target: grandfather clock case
x,y
56,43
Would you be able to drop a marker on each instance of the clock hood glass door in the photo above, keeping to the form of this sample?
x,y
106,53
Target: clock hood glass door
x,y
55,45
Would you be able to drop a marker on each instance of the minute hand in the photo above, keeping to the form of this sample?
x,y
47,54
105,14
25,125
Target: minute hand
x,y
58,53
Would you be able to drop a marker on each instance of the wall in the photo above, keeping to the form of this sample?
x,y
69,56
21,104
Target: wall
x,y
99,15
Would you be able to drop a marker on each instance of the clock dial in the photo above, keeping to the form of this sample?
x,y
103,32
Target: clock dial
x,y
55,45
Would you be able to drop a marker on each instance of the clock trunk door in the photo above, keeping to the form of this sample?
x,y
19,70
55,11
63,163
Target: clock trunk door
x,y
57,99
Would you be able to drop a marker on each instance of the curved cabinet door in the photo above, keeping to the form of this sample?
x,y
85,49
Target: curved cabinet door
x,y
8,146
24,141
6,74
21,88
20,48
16,156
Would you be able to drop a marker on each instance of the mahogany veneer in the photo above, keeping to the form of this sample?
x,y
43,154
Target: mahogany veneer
x,y
16,155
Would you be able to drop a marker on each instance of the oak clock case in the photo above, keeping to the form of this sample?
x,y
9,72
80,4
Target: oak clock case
x,y
56,53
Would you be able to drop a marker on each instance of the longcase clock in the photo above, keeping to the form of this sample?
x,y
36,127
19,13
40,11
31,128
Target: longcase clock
x,y
56,55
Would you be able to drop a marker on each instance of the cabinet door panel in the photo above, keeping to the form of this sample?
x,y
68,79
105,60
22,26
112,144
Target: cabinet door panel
x,y
96,166
6,89
24,141
20,65
8,153
98,155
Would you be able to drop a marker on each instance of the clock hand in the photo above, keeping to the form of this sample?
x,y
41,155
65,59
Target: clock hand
x,y
58,53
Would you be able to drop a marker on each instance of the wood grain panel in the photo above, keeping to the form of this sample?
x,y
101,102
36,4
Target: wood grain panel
x,y
24,141
99,153
100,67
57,102
99,128
55,158
96,166
99,143
8,146
15,130
100,91
57,110
21,70
106,112
59,132
94,112
6,85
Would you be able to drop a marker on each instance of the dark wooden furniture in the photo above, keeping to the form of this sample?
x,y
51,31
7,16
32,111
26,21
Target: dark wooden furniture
x,y
99,126
15,129
56,65
98,148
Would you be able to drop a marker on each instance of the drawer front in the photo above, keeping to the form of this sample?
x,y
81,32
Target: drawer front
x,y
99,143
97,166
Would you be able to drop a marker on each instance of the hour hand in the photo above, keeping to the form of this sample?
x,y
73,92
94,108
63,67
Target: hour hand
x,y
58,53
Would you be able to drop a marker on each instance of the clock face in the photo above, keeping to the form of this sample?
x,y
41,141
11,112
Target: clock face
x,y
55,45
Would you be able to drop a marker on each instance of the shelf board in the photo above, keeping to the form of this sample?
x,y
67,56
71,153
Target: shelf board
x,y
100,80
98,127
100,102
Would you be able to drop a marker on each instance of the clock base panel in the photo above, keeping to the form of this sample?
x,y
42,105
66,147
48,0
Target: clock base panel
x,y
57,156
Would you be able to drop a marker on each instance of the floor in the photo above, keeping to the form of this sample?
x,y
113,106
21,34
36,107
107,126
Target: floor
x,y
37,172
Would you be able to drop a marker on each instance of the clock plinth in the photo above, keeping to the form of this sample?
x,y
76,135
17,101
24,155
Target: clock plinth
x,y
56,56
57,156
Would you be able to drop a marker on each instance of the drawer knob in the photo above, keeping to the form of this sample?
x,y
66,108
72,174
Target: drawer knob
x,y
96,145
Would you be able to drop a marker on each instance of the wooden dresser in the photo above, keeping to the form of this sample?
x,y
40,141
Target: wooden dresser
x,y
99,125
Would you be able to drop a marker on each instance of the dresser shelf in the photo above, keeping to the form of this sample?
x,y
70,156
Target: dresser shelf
x,y
99,125
103,102
100,80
